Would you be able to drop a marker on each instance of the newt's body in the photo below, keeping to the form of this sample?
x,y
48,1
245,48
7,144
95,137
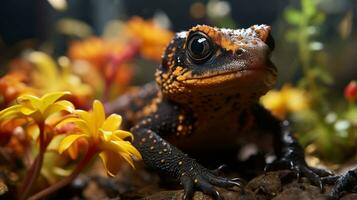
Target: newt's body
x,y
206,99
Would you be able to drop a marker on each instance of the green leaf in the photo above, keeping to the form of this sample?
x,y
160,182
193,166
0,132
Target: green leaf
x,y
293,16
326,78
323,75
308,7
318,18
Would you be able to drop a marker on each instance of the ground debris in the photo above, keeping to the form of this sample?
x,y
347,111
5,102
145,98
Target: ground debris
x,y
143,184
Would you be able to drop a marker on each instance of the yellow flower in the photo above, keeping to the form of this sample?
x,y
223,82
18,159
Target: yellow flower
x,y
288,99
49,78
37,108
39,113
102,136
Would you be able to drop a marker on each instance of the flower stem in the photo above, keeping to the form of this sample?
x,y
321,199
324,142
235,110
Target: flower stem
x,y
34,172
88,156
113,66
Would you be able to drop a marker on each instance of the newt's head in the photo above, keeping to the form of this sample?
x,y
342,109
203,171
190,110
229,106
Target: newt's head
x,y
215,61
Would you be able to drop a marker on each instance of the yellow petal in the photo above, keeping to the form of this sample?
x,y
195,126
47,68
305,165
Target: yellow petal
x,y
112,123
83,114
29,100
55,120
123,134
32,131
50,98
273,100
128,159
28,110
68,141
82,125
88,118
106,135
45,66
99,113
10,109
297,100
111,162
10,112
73,151
124,146
59,106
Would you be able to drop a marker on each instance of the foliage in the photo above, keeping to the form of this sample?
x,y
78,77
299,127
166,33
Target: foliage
x,y
49,112
39,118
326,126
306,25
34,128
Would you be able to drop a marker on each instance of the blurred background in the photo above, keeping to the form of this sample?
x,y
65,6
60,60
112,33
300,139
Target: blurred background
x,y
42,24
315,52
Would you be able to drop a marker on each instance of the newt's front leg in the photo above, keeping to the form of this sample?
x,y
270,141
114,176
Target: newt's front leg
x,y
289,152
291,156
166,158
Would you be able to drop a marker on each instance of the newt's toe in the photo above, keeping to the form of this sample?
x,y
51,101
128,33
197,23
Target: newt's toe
x,y
344,183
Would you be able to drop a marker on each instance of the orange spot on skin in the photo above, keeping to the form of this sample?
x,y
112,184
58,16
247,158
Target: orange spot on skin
x,y
217,37
185,76
263,34
178,71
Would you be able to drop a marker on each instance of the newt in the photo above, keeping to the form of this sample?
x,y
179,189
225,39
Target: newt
x,y
206,98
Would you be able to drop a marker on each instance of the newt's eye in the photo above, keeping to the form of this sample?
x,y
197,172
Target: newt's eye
x,y
200,47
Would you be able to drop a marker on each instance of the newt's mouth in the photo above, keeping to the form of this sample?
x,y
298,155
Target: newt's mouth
x,y
220,74
241,76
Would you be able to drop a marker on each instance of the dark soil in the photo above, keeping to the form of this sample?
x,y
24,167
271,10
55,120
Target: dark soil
x,y
147,185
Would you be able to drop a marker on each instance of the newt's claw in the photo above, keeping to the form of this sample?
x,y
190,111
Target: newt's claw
x,y
204,180
292,157
207,188
300,168
343,183
188,188
219,169
225,182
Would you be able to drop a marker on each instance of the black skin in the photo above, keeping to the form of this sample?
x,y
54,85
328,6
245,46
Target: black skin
x,y
154,129
166,158
170,160
342,184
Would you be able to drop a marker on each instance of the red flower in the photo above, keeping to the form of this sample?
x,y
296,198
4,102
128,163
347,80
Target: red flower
x,y
351,91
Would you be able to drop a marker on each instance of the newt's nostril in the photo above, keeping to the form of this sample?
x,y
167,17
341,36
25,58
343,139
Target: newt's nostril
x,y
239,52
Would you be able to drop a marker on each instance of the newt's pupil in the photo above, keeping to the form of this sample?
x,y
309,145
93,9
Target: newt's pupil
x,y
200,47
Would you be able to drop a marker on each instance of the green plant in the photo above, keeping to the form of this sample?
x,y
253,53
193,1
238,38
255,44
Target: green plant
x,y
328,127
